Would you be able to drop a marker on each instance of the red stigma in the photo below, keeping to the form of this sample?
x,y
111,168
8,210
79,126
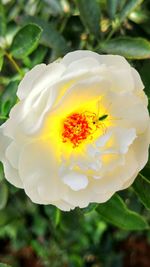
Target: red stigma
x,y
76,129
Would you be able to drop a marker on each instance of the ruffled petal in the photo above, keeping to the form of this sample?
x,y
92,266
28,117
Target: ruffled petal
x,y
76,181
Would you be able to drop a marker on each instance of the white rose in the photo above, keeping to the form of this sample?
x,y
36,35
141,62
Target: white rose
x,y
80,131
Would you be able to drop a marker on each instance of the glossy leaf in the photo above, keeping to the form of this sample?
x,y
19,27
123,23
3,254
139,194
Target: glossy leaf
x,y
112,7
128,8
26,40
8,98
141,187
90,15
2,20
91,207
50,36
116,212
55,6
132,48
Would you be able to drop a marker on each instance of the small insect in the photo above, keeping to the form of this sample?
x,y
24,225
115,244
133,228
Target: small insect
x,y
101,118
96,121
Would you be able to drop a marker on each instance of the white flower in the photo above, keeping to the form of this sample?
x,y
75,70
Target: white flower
x,y
80,131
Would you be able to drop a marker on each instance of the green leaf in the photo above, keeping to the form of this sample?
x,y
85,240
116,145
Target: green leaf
x,y
141,187
91,207
1,62
116,212
132,48
112,7
38,56
140,16
3,195
50,36
1,58
55,6
26,40
90,15
128,8
1,172
54,214
8,98
2,20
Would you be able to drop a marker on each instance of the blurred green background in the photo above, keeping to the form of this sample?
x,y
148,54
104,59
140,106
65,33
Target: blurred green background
x,y
114,234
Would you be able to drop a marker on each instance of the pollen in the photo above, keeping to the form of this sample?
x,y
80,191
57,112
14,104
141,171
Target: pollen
x,y
76,129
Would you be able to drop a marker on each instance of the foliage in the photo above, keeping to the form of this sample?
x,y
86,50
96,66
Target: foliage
x,y
34,31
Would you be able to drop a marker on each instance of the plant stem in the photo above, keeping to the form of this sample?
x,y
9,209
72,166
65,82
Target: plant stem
x,y
110,34
14,63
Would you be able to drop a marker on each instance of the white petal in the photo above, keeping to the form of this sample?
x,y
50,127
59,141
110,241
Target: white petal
x,y
141,146
38,168
119,140
63,205
128,110
101,141
129,182
117,76
11,173
76,181
78,55
39,78
80,94
138,84
79,198
12,154
122,139
82,65
115,180
109,60
25,86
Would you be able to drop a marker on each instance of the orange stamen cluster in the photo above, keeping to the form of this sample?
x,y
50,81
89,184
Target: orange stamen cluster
x,y
76,129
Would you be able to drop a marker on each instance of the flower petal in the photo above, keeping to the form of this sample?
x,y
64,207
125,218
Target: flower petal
x,y
11,173
26,84
76,181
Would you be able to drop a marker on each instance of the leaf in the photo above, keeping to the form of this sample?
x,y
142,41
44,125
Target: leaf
x,y
50,36
3,195
132,48
116,212
55,6
91,207
139,16
2,20
90,15
128,8
1,172
1,58
141,187
26,40
112,7
54,214
38,55
8,98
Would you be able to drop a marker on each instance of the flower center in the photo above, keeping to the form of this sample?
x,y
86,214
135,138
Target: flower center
x,y
78,127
